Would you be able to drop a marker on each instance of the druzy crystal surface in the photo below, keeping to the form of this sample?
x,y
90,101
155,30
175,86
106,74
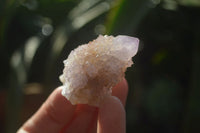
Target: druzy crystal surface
x,y
92,69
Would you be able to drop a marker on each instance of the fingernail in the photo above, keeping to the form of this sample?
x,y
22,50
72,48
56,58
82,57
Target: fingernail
x,y
21,131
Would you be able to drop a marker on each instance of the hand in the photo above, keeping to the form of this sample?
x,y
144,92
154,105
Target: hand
x,y
57,115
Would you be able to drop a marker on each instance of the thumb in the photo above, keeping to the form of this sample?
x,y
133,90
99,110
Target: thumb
x,y
111,117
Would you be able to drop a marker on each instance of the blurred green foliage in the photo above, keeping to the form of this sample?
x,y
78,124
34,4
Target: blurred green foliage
x,y
164,82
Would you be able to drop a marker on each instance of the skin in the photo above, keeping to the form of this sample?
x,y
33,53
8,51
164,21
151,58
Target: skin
x,y
57,115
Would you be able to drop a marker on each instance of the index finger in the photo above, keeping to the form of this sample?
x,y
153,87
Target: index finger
x,y
121,91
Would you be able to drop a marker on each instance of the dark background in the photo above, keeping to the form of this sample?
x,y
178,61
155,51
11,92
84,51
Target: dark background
x,y
164,83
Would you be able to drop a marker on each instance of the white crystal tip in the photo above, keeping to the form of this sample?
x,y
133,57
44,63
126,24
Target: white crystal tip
x,y
131,43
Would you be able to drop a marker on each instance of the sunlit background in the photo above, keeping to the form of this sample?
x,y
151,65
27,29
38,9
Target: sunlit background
x,y
164,82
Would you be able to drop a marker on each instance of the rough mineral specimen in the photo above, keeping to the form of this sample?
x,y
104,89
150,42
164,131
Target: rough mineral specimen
x,y
92,69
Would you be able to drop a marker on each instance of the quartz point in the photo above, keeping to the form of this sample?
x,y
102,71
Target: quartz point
x,y
92,69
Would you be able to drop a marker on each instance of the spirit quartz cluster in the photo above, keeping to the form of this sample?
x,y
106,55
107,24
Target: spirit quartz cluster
x,y
92,69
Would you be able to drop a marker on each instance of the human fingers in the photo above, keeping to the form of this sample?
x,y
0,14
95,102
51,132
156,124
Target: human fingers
x,y
85,118
54,107
52,115
111,117
121,91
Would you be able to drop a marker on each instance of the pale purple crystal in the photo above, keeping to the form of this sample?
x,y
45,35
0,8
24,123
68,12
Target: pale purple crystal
x,y
92,69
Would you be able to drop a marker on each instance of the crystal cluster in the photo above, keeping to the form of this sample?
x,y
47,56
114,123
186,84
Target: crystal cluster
x,y
92,69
